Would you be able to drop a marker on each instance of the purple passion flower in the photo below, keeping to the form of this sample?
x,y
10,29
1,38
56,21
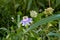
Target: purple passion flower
x,y
26,21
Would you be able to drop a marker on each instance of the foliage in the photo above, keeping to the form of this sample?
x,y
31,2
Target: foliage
x,y
44,26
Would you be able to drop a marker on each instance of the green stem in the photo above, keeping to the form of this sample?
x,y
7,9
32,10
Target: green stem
x,y
59,29
49,3
18,21
59,25
26,26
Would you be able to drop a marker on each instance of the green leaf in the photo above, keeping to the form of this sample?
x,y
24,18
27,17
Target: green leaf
x,y
57,3
44,21
53,34
41,3
3,29
32,38
34,34
29,4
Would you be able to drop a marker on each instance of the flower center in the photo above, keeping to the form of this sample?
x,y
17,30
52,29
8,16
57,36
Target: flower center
x,y
25,18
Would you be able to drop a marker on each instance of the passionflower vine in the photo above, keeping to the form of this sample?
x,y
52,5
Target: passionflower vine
x,y
26,21
49,10
33,13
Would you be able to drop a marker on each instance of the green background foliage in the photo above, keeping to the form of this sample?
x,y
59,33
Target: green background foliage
x,y
39,30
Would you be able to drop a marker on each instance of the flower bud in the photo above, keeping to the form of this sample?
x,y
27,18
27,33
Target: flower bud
x,y
49,11
33,13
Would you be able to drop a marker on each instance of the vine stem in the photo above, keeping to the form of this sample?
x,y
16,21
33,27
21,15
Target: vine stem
x,y
49,3
59,25
59,28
